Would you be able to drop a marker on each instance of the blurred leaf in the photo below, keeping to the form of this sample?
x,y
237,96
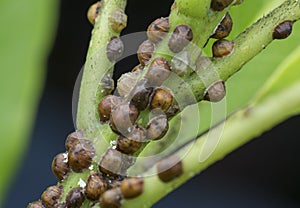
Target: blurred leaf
x,y
27,28
287,74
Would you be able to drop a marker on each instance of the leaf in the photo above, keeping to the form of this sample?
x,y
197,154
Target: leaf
x,y
26,34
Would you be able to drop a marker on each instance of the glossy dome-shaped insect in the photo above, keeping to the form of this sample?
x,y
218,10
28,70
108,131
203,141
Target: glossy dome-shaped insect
x,y
215,92
95,186
145,52
81,155
50,197
162,99
106,105
220,5
123,118
73,139
158,72
111,198
132,187
158,29
170,168
131,143
114,49
111,162
60,166
224,28
75,198
157,127
283,30
222,48
180,38
36,204
140,95
93,12
118,20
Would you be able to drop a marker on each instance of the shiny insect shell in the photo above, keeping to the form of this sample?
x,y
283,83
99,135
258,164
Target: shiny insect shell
x,y
60,166
51,196
220,5
81,155
93,12
118,20
73,139
131,143
132,187
145,52
114,49
95,186
111,198
157,127
180,38
106,105
169,169
283,30
158,29
123,118
111,163
140,95
75,198
224,28
222,48
162,99
215,92
36,204
159,70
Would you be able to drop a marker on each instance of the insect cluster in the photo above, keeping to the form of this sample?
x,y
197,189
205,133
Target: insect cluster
x,y
139,90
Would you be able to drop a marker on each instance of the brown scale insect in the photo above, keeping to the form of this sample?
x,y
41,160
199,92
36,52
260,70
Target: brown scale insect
x,y
220,5
158,29
75,198
215,92
158,72
73,138
95,186
81,155
162,99
132,187
127,82
224,28
111,162
60,166
170,168
123,118
118,20
50,197
114,49
222,48
283,30
157,127
107,84
141,95
36,204
131,143
111,198
106,105
93,12
145,52
180,38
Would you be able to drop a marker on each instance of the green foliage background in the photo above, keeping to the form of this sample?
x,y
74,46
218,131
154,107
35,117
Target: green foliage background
x,y
26,35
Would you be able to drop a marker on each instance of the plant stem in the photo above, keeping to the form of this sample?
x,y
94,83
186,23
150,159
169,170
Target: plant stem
x,y
238,129
247,45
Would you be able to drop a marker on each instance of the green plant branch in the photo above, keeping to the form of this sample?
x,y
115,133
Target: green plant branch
x,y
247,45
237,130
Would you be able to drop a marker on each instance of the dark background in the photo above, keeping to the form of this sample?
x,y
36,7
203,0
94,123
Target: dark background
x,y
264,173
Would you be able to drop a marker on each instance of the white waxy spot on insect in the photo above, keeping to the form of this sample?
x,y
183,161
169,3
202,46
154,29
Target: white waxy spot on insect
x,y
65,155
91,167
81,183
113,144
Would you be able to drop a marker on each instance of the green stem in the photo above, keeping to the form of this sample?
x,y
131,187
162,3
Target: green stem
x,y
238,129
247,45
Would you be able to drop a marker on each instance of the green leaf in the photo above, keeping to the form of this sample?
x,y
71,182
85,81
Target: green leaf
x,y
26,34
